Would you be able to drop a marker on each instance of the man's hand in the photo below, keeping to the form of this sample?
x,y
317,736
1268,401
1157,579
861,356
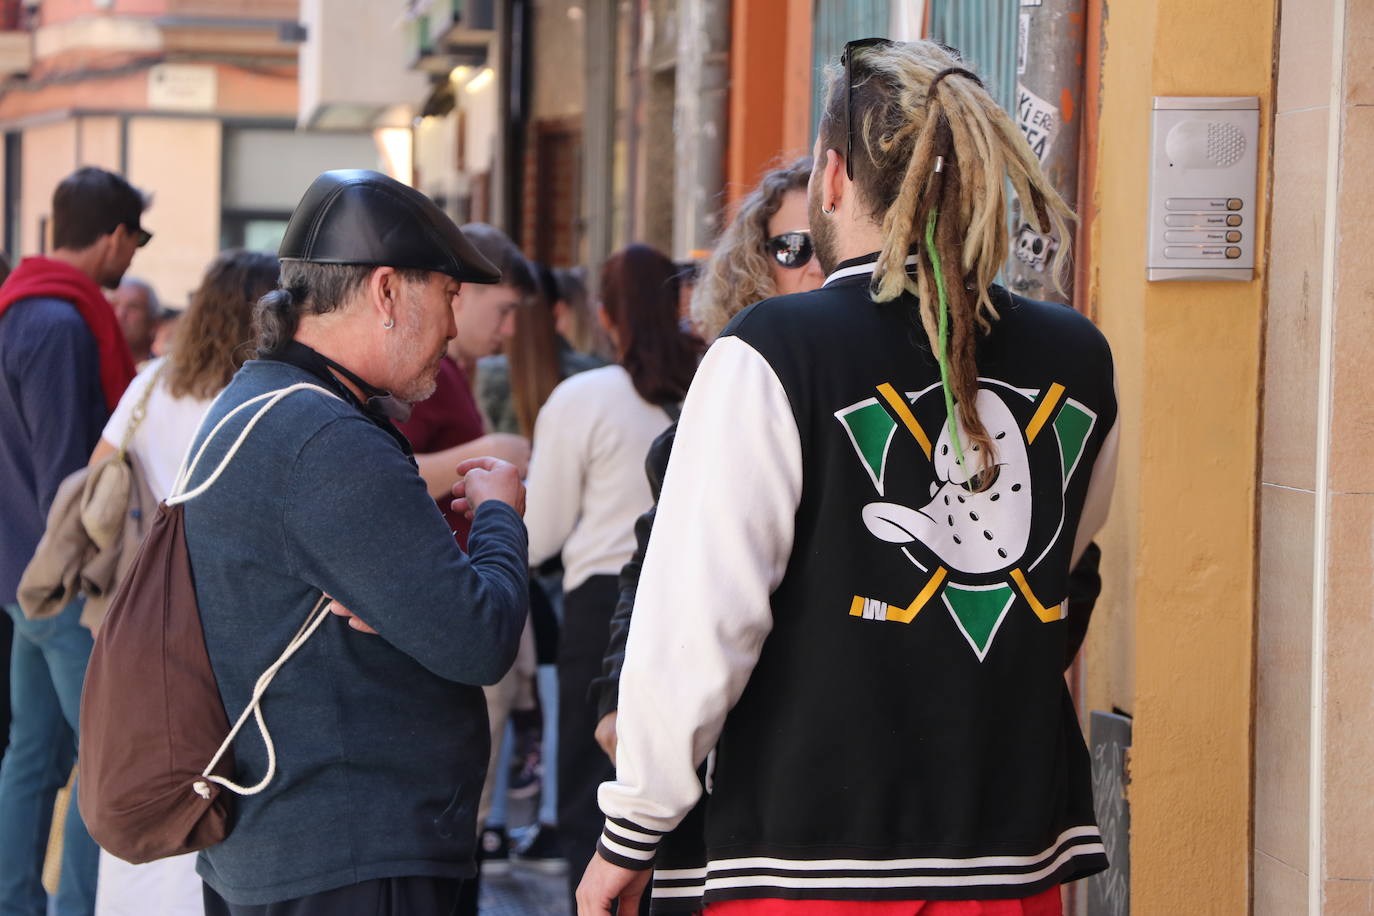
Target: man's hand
x,y
481,479
605,734
339,610
603,883
506,446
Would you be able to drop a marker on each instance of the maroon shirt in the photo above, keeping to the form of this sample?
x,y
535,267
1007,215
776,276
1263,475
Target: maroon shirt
x,y
447,418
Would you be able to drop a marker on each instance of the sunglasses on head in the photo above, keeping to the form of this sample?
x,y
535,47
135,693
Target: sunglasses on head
x,y
851,48
791,249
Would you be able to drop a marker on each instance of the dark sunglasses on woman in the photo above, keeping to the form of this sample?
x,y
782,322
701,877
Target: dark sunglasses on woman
x,y
791,249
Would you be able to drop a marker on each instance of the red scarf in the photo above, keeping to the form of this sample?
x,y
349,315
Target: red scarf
x,y
38,277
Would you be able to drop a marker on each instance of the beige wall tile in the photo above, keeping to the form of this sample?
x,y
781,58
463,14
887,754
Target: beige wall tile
x,y
1294,309
1283,673
177,160
1304,53
1347,898
48,154
1349,816
1359,48
1352,418
98,142
1279,890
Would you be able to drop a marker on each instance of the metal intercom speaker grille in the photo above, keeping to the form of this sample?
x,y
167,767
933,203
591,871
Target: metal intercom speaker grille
x,y
1225,143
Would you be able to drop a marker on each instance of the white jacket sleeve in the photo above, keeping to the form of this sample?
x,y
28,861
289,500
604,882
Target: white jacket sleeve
x,y
1099,498
720,546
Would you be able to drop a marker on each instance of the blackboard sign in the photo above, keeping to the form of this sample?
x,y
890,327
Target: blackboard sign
x,y
1109,894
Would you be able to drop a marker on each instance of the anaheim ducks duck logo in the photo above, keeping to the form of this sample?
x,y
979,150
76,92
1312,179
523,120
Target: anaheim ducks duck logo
x,y
975,551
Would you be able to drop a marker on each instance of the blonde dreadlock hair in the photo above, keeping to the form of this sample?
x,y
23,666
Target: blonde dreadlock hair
x,y
932,155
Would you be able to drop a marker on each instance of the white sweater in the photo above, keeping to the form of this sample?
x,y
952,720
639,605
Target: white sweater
x,y
586,481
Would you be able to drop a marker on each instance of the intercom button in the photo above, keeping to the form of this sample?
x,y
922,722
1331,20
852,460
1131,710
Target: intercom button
x,y
1195,203
1195,220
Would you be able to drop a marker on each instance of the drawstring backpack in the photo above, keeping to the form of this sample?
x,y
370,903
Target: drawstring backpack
x,y
155,739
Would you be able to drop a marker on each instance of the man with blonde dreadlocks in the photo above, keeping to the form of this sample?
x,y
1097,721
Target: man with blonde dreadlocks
x,y
855,615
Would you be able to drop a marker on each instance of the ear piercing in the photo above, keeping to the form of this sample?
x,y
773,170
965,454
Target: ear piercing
x,y
389,323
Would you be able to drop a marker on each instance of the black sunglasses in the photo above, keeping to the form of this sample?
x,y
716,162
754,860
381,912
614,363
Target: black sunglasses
x,y
791,249
847,61
142,235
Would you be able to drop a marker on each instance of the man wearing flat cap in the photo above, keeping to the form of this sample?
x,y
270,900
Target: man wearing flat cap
x,y
380,740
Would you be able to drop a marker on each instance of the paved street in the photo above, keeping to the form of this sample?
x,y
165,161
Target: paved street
x,y
524,892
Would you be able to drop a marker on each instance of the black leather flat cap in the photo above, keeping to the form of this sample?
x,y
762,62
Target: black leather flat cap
x,y
357,216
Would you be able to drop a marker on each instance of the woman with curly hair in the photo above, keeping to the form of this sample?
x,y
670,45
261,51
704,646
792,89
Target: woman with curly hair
x,y
765,251
157,417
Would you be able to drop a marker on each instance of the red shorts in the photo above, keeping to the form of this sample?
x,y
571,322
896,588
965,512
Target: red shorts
x,y
1042,904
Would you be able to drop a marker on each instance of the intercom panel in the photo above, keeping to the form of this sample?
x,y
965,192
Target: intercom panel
x,y
1203,170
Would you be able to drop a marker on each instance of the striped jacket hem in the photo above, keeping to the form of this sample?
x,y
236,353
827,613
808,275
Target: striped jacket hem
x,y
1077,852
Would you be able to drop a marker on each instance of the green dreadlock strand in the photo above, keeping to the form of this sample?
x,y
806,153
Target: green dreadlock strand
x,y
942,346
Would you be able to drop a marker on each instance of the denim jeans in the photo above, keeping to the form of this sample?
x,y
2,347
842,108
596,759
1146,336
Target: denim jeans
x,y
548,788
47,665
500,792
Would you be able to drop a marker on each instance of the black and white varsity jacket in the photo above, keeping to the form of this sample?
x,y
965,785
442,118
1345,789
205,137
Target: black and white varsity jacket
x,y
873,652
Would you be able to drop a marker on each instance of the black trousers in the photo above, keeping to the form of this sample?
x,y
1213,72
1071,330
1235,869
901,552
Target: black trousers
x,y
582,765
415,896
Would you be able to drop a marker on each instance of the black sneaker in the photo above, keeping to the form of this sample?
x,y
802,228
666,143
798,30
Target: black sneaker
x,y
493,851
542,850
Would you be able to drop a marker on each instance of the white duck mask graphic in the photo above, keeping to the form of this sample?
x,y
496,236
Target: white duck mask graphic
x,y
975,553
970,532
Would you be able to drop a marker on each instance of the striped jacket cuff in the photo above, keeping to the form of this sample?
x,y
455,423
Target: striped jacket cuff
x,y
627,844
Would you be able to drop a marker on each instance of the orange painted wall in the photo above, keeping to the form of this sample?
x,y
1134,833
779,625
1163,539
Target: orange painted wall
x,y
796,96
770,89
1182,536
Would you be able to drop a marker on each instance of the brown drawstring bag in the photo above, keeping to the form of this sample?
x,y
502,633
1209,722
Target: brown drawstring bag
x,y
155,739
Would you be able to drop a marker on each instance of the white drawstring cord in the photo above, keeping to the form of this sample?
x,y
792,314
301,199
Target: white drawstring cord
x,y
201,786
276,396
184,472
312,623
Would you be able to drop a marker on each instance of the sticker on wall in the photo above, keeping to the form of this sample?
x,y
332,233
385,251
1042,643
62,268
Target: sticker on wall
x,y
1033,249
1038,120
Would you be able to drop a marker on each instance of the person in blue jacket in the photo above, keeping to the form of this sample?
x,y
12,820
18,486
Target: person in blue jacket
x,y
380,737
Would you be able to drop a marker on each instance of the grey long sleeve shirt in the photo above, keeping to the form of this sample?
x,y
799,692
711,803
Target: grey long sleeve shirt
x,y
381,740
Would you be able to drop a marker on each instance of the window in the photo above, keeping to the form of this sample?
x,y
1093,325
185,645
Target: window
x,y
268,168
14,189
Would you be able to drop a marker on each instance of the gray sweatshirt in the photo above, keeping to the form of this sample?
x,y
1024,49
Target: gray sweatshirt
x,y
381,740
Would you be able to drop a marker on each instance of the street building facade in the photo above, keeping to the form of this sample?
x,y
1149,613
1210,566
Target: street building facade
x,y
1224,683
